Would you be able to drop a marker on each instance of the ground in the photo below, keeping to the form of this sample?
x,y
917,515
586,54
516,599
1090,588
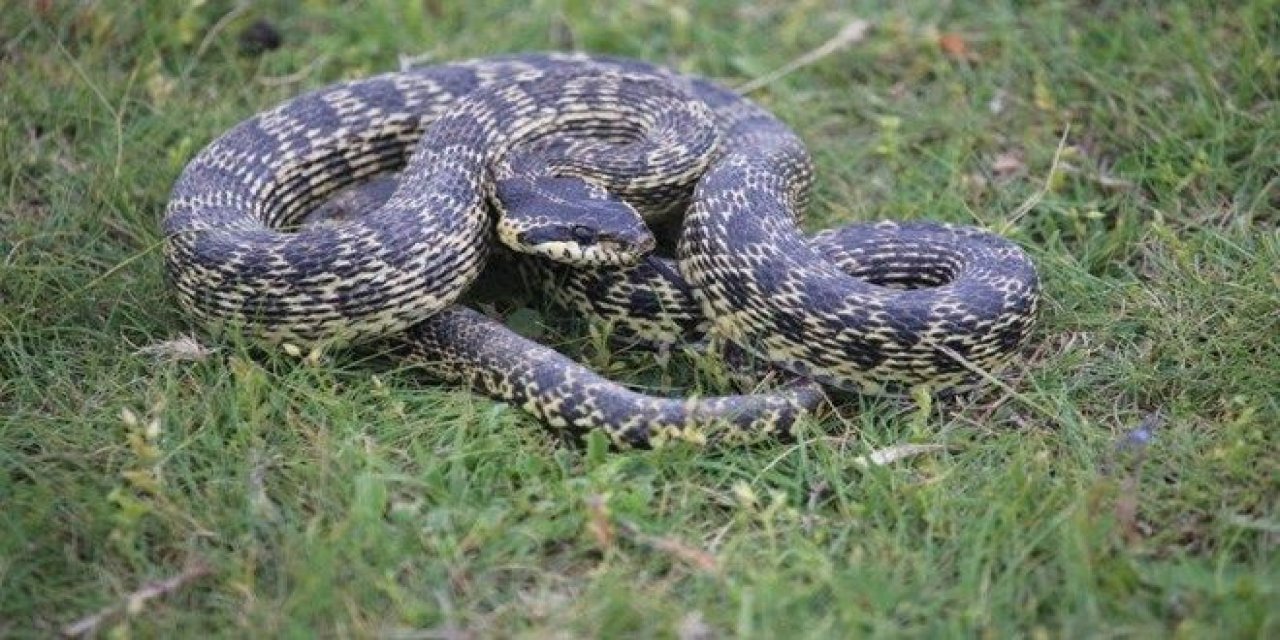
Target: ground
x,y
1124,480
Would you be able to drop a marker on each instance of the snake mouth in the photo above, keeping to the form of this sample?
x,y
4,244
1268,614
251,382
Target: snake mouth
x,y
598,254
633,249
584,246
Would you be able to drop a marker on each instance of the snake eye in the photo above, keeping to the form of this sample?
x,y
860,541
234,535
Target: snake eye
x,y
582,233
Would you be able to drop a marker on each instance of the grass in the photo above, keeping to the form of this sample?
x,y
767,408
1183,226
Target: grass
x,y
1130,147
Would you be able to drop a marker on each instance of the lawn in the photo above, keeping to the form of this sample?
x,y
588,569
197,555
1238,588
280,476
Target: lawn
x,y
1123,481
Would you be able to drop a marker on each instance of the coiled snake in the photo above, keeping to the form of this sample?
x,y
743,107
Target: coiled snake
x,y
571,150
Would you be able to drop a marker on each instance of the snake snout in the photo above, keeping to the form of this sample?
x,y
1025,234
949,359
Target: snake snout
x,y
570,220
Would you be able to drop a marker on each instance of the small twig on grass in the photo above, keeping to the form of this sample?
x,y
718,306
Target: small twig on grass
x,y
134,602
296,76
217,28
599,523
852,33
604,528
697,558
889,455
1031,202
1014,383
1000,384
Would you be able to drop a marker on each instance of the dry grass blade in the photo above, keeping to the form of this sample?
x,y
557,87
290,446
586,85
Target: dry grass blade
x,y
1035,198
601,528
136,601
697,558
184,347
889,455
853,32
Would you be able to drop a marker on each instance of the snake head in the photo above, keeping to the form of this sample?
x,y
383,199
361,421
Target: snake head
x,y
570,220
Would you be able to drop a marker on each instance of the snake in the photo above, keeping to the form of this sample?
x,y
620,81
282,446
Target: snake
x,y
566,157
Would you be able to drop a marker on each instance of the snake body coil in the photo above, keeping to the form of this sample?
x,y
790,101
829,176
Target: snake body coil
x,y
917,307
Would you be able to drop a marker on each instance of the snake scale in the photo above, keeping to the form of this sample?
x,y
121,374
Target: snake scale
x,y
565,157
